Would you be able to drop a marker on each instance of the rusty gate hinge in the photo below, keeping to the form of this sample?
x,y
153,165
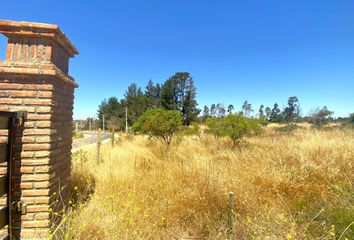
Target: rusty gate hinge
x,y
22,117
20,207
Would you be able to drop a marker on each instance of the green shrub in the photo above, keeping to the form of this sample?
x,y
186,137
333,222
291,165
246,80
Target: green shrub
x,y
77,135
349,123
159,123
234,126
191,130
288,128
214,126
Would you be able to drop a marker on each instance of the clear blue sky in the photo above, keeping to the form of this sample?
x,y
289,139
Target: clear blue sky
x,y
260,51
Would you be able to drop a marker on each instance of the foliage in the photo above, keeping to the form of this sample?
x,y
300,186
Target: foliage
x,y
261,111
268,112
136,102
191,130
77,135
351,118
236,127
214,126
95,124
213,110
247,108
233,126
113,111
290,113
153,95
275,115
263,120
288,128
349,122
179,93
230,108
206,112
220,110
318,117
159,123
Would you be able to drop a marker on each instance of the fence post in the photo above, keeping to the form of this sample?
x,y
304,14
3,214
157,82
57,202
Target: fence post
x,y
98,145
231,215
113,127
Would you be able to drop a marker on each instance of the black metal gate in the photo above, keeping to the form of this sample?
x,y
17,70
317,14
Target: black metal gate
x,y
9,122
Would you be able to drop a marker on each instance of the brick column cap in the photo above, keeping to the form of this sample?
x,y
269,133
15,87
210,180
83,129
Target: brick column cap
x,y
37,30
36,70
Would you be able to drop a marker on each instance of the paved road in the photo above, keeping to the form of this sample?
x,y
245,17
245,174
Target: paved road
x,y
89,139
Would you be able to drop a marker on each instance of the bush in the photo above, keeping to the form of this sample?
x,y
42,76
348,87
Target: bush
x,y
214,126
319,117
191,130
234,126
159,123
77,135
350,122
288,128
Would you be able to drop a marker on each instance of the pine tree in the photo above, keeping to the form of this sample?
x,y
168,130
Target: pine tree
x,y
179,93
152,94
136,102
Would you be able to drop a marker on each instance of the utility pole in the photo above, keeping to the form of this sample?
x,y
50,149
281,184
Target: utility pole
x,y
103,124
76,126
126,120
90,123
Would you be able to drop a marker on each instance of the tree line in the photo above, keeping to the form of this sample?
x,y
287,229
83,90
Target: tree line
x,y
290,113
177,93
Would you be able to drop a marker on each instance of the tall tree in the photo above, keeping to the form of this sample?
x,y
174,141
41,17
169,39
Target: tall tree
x,y
290,113
206,112
261,111
220,110
268,112
320,116
275,116
230,108
152,93
213,110
247,108
111,108
135,101
169,94
179,93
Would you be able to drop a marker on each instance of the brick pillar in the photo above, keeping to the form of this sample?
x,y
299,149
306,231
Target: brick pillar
x,y
34,78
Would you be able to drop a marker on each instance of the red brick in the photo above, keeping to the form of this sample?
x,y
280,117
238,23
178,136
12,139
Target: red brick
x,y
35,192
31,94
34,147
10,101
41,216
44,184
35,224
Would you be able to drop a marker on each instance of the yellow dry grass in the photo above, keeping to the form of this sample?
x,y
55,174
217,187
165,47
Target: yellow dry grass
x,y
297,186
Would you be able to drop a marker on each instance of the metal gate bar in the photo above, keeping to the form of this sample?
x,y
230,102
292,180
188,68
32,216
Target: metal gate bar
x,y
9,121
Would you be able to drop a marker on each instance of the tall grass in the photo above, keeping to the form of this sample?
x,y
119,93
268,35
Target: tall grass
x,y
287,186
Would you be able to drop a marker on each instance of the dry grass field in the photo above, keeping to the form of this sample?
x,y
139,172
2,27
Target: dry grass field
x,y
287,186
